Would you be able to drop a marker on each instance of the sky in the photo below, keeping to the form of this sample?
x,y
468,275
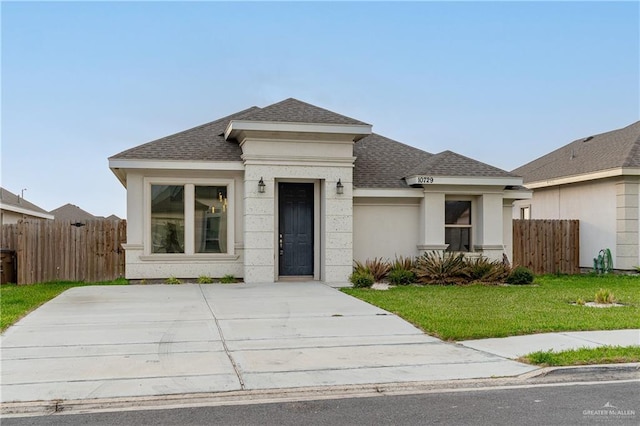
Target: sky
x,y
500,82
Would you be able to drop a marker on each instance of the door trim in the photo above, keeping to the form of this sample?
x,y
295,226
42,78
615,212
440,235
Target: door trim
x,y
317,266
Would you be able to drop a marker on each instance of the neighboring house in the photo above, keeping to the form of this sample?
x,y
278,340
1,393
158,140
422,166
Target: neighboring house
x,y
595,179
72,213
292,190
14,208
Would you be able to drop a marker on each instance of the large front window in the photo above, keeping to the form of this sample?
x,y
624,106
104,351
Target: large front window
x,y
189,219
457,231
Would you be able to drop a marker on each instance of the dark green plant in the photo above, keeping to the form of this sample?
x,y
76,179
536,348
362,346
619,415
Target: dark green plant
x,y
441,268
361,279
228,279
520,275
401,277
482,269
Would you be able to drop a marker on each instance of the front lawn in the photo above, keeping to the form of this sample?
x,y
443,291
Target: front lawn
x,y
17,301
585,356
478,311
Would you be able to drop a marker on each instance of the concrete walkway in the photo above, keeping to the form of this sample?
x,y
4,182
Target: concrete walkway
x,y
123,341
517,346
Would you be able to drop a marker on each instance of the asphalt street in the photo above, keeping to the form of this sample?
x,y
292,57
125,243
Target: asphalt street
x,y
614,403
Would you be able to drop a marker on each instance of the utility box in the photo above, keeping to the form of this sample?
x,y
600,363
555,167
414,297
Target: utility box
x,y
7,266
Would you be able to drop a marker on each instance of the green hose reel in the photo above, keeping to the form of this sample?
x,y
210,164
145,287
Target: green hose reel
x,y
603,264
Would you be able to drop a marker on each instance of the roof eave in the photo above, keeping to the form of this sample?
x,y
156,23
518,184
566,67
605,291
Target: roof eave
x,y
21,210
584,177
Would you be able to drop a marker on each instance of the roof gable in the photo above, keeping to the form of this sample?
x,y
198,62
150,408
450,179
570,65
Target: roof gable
x,y
609,150
448,163
72,213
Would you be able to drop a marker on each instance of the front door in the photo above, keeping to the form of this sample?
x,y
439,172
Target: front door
x,y
295,229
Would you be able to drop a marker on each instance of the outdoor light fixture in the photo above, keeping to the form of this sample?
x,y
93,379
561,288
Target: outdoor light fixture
x,y
261,186
339,187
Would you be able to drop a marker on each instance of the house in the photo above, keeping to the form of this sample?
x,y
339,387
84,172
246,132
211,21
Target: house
x,y
292,190
14,208
595,179
72,213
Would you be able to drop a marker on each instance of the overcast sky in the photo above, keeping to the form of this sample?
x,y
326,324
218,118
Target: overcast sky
x,y
502,82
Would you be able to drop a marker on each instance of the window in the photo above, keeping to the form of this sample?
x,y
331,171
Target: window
x,y
525,212
210,207
457,231
190,218
167,219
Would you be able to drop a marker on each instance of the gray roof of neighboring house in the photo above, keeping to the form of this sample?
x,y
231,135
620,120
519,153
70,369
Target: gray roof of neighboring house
x,y
610,150
72,213
10,199
381,162
448,163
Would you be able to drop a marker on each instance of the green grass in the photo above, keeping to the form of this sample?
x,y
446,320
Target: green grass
x,y
17,301
478,311
584,356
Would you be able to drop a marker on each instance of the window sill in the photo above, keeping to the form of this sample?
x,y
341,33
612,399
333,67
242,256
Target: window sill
x,y
189,257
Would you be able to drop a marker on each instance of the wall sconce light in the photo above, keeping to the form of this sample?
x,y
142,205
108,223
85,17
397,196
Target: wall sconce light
x,y
261,186
339,187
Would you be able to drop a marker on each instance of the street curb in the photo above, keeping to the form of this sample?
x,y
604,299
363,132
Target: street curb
x,y
543,377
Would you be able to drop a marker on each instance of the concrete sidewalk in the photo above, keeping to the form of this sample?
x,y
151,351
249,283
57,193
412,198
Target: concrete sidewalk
x,y
517,346
125,341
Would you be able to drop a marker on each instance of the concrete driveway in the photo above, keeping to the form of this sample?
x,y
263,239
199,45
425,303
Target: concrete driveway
x,y
119,341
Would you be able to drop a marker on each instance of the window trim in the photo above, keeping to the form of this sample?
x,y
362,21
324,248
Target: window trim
x,y
470,226
189,217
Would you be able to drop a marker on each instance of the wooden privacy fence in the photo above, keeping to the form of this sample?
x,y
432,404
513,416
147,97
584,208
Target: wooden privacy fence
x,y
59,251
547,246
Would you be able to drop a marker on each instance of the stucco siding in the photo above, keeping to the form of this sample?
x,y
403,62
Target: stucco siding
x,y
385,229
593,203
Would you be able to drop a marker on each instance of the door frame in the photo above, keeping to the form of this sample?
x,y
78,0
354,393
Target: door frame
x,y
316,227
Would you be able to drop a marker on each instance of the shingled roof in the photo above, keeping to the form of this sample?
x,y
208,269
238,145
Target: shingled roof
x,y
448,163
73,213
383,163
610,150
9,199
202,143
295,111
380,162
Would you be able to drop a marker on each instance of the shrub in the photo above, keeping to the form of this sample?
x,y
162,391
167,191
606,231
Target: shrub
x,y
228,279
605,296
435,268
401,277
173,280
205,279
361,279
520,275
379,268
406,263
485,270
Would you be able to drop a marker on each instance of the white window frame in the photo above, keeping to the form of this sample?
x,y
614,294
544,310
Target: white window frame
x,y
472,220
189,217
